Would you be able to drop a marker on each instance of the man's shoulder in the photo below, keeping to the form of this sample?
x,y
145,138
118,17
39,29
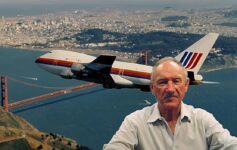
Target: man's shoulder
x,y
146,110
193,109
142,114
196,112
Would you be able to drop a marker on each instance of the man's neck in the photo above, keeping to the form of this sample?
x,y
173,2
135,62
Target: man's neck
x,y
170,113
171,116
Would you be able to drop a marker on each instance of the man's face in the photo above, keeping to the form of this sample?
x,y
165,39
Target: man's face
x,y
169,85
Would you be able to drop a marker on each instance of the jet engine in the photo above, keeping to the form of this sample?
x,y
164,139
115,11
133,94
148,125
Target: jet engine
x,y
77,68
67,74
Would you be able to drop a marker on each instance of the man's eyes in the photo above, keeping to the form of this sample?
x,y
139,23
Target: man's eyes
x,y
162,83
176,81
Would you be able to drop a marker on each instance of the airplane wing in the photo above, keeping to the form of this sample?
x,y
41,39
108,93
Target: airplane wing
x,y
102,63
100,68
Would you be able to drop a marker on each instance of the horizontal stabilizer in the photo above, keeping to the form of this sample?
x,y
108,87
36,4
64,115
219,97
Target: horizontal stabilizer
x,y
210,82
121,81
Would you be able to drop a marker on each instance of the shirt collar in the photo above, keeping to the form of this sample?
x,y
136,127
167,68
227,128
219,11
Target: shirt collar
x,y
185,114
155,114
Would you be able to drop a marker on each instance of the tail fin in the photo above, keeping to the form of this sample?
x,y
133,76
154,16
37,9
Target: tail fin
x,y
193,57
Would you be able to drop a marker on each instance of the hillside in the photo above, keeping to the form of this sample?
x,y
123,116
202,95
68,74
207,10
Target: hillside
x,y
159,44
216,63
16,133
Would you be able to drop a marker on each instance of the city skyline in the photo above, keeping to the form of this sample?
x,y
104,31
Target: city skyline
x,y
113,3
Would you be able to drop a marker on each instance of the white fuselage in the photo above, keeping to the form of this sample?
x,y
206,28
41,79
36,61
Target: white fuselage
x,y
59,62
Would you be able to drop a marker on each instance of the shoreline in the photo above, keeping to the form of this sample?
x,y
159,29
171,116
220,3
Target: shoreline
x,y
119,55
217,69
122,56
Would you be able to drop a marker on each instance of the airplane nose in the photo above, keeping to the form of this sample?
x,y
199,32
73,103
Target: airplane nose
x,y
40,60
37,60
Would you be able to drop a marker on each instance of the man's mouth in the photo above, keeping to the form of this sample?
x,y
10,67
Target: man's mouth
x,y
170,95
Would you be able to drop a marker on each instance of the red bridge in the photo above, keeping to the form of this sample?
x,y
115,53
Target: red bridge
x,y
4,93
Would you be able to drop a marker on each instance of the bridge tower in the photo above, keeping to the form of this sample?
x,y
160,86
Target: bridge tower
x,y
4,93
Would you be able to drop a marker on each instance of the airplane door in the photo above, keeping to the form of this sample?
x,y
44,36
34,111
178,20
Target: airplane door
x,y
55,62
121,71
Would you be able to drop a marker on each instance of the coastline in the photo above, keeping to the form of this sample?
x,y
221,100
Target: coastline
x,y
207,67
121,56
217,69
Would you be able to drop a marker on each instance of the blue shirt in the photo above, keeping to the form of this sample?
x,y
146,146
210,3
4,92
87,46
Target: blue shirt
x,y
196,129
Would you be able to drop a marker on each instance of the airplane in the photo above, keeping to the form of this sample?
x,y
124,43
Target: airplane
x,y
105,70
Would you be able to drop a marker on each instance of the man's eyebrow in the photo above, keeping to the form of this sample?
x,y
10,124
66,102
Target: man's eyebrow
x,y
161,80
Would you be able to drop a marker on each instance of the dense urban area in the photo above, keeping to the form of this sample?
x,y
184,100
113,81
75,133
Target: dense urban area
x,y
160,31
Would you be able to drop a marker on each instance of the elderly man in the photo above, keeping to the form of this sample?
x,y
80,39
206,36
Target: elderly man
x,y
170,124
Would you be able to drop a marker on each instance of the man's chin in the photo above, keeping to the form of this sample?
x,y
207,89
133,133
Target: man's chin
x,y
171,103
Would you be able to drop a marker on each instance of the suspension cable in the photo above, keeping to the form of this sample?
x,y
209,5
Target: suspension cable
x,y
36,85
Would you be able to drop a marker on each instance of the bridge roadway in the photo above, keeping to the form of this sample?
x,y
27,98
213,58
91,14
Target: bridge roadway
x,y
49,95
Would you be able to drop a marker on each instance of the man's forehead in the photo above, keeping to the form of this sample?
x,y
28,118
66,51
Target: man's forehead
x,y
169,68
168,76
169,63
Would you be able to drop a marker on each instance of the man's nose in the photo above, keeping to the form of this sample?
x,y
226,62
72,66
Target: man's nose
x,y
170,87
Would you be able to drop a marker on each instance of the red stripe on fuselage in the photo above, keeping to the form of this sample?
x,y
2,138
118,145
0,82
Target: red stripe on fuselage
x,y
56,62
118,71
131,73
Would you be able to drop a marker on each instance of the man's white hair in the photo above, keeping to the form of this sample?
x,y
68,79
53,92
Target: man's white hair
x,y
159,62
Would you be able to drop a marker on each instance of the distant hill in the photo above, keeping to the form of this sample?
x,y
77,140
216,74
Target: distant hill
x,y
174,18
17,134
226,61
231,14
159,42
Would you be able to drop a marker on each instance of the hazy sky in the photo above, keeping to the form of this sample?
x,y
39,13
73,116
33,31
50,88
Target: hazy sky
x,y
194,3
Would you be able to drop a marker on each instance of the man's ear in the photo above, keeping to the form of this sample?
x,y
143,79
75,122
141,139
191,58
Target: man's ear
x,y
151,88
187,83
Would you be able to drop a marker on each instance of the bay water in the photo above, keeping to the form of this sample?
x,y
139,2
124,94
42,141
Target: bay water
x,y
93,115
